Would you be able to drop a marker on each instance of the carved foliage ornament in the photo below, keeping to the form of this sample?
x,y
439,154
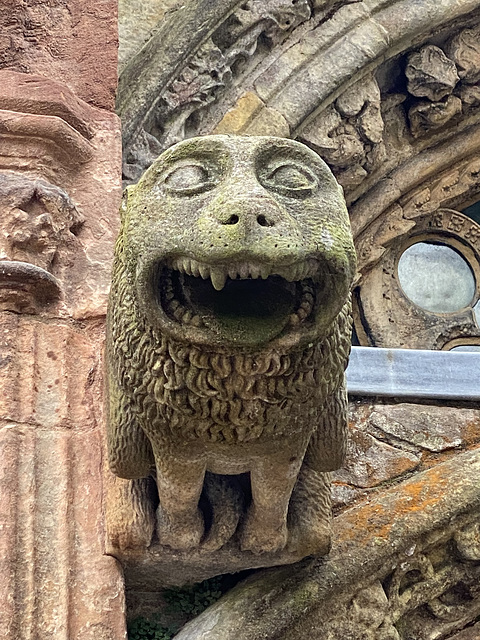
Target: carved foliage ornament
x,y
445,82
349,133
208,71
38,221
228,334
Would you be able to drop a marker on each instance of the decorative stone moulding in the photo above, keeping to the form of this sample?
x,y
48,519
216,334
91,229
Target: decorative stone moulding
x,y
49,143
60,189
38,225
25,287
190,63
419,202
60,162
228,82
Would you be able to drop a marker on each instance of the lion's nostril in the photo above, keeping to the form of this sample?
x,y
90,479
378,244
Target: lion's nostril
x,y
232,220
263,222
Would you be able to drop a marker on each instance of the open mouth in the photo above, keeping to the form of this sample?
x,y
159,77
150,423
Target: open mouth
x,y
242,302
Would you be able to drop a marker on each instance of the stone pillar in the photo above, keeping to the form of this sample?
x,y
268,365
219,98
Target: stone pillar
x,y
59,197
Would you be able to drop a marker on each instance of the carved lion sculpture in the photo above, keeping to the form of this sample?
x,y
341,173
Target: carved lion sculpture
x,y
228,336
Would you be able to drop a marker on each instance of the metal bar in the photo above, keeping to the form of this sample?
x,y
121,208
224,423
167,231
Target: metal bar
x,y
412,373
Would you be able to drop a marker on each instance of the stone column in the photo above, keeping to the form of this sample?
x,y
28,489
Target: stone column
x,y
59,198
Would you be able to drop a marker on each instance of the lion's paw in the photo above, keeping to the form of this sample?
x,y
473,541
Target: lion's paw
x,y
181,532
308,541
259,537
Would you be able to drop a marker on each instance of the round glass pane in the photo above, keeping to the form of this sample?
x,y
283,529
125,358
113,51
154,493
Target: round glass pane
x,y
436,278
466,347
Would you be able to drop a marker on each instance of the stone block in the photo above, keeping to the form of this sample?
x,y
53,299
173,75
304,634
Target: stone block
x,y
434,428
71,41
370,462
62,181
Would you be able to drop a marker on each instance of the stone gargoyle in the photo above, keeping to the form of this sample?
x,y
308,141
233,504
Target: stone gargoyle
x,y
228,336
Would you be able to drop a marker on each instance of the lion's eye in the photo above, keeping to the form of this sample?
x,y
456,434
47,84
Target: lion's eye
x,y
291,180
188,180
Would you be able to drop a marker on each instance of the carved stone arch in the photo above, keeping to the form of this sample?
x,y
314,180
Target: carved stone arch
x,y
300,58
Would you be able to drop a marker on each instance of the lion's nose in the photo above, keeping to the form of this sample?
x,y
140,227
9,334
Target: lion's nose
x,y
249,213
261,219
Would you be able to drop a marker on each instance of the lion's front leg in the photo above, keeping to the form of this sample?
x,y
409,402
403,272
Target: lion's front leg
x,y
130,515
180,522
272,480
310,507
310,514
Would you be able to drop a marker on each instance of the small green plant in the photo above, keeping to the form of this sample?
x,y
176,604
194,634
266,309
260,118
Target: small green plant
x,y
191,601
148,629
182,604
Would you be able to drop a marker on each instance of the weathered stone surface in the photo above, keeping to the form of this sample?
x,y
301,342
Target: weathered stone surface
x,y
425,116
227,37
431,74
41,379
442,173
370,461
343,495
39,224
136,23
59,187
471,633
58,583
150,71
241,115
296,89
71,41
392,440
429,427
464,50
349,134
250,117
386,315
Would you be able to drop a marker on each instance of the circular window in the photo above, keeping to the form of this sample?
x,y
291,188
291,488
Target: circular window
x,y
436,278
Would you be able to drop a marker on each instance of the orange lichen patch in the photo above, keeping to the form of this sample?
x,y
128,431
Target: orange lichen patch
x,y
370,522
422,494
430,460
398,466
471,431
365,521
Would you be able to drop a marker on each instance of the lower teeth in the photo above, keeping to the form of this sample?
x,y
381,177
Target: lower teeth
x,y
183,315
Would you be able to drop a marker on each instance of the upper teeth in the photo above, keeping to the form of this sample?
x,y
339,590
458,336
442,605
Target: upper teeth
x,y
218,273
